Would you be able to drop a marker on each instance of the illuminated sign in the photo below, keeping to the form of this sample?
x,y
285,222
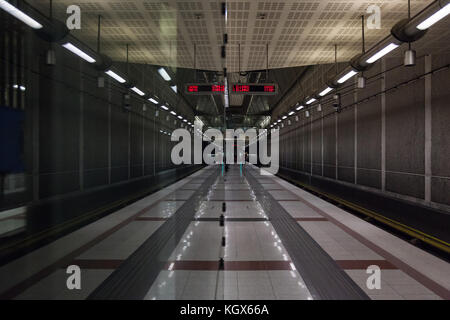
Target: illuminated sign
x,y
254,88
236,88
204,88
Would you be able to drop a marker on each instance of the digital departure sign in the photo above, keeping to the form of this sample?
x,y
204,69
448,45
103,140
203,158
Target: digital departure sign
x,y
236,88
254,88
204,88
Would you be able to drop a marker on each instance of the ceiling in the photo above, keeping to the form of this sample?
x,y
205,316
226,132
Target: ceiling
x,y
283,37
298,33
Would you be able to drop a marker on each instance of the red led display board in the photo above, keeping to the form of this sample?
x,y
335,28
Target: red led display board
x,y
236,88
254,88
204,88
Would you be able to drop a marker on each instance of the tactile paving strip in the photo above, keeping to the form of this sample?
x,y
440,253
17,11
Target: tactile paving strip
x,y
132,279
323,277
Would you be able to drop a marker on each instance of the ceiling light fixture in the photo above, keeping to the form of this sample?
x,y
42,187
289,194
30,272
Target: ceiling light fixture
x,y
163,73
139,92
310,101
324,92
437,16
78,52
115,76
390,47
347,76
20,15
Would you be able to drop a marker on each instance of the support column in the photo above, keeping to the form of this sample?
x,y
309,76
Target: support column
x,y
129,145
336,137
355,133
321,150
383,125
81,133
109,131
428,115
311,143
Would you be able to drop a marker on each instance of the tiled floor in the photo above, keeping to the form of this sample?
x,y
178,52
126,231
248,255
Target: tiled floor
x,y
256,263
121,244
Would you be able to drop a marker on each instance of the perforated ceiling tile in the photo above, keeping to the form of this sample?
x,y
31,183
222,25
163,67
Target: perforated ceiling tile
x,y
298,32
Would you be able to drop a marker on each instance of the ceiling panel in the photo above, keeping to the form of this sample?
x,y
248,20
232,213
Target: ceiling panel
x,y
298,33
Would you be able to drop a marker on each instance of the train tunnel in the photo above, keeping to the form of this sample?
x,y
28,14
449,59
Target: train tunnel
x,y
238,150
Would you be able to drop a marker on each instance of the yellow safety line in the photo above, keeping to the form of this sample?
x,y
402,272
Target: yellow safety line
x,y
433,241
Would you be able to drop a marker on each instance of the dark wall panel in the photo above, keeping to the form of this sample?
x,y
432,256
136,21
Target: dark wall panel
x,y
369,143
346,141
409,185
329,147
59,123
307,154
440,190
96,126
317,146
298,147
136,145
405,125
119,142
440,150
149,145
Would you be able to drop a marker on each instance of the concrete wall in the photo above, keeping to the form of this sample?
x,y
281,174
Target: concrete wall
x,y
78,136
393,137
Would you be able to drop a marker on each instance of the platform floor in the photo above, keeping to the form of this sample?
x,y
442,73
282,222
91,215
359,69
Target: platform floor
x,y
257,265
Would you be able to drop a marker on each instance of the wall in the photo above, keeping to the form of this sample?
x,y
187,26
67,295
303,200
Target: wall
x,y
391,138
78,137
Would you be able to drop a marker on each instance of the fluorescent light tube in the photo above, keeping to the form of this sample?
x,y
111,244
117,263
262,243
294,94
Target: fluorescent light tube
x,y
153,101
347,76
284,117
164,107
310,101
20,15
279,121
174,88
382,52
437,16
291,113
115,76
184,120
173,112
78,52
299,108
139,92
324,92
180,117
164,74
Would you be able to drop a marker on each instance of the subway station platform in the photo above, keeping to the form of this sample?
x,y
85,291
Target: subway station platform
x,y
243,235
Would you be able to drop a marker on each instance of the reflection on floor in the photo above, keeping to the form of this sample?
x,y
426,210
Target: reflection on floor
x,y
256,264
